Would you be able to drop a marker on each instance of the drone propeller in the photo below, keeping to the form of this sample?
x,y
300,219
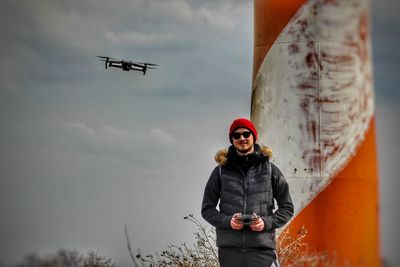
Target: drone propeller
x,y
147,64
107,58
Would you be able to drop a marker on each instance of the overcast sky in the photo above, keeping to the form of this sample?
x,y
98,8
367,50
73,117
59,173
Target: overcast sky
x,y
85,151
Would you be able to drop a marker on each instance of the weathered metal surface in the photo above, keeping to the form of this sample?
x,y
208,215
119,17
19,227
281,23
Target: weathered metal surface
x,y
313,97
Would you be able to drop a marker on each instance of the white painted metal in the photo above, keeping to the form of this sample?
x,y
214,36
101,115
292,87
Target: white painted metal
x,y
312,97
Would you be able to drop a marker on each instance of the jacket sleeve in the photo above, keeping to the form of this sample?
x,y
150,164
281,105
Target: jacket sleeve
x,y
210,201
282,196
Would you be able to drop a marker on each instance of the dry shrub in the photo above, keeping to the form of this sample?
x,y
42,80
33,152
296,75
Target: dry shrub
x,y
293,251
203,253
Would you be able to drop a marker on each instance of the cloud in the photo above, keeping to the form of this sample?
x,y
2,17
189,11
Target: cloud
x,y
81,128
162,137
112,131
224,16
137,38
101,131
178,10
110,141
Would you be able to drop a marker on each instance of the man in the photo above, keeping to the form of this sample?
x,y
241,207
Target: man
x,y
245,184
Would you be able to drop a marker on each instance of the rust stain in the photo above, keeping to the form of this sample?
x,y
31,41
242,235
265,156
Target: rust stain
x,y
293,49
330,2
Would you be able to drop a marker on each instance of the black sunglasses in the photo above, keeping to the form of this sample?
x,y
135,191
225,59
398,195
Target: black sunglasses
x,y
244,134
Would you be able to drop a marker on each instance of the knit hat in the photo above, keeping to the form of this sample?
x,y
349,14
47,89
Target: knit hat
x,y
242,123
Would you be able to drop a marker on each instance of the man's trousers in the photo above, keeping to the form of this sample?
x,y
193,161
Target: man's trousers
x,y
231,257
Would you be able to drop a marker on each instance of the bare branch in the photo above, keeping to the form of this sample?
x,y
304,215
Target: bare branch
x,y
129,247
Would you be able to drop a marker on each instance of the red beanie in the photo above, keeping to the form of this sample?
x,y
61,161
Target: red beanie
x,y
242,123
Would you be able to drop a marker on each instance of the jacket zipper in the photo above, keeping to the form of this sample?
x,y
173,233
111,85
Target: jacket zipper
x,y
244,207
244,203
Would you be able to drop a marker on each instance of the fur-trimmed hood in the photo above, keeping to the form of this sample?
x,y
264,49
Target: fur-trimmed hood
x,y
222,155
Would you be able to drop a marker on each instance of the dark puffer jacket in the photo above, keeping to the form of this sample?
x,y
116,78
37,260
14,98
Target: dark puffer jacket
x,y
246,193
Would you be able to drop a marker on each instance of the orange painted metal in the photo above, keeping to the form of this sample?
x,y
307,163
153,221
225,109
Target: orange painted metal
x,y
343,219
270,17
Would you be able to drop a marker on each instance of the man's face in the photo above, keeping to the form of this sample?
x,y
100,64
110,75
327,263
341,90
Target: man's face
x,y
243,140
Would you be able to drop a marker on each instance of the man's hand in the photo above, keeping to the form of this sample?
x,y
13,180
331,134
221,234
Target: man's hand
x,y
258,224
235,223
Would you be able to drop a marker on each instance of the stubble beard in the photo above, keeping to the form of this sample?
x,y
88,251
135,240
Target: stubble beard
x,y
244,151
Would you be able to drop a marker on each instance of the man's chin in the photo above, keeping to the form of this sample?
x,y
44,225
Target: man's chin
x,y
244,150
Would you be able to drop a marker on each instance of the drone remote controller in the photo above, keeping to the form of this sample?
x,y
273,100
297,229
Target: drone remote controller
x,y
246,219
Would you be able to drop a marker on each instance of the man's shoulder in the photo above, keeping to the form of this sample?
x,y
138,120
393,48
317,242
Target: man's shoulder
x,y
275,170
221,157
266,152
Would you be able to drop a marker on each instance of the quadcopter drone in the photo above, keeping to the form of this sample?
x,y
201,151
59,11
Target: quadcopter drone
x,y
127,65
